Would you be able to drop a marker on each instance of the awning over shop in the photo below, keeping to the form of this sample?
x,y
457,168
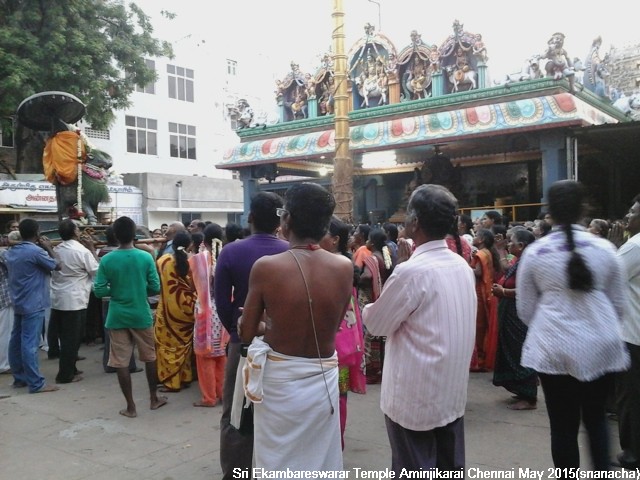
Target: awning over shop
x,y
238,209
26,209
544,112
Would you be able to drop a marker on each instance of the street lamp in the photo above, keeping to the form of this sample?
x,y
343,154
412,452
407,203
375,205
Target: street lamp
x,y
179,185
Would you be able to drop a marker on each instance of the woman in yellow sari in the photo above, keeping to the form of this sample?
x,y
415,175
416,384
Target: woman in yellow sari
x,y
175,317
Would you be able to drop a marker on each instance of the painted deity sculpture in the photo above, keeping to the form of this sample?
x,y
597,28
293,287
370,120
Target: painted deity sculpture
x,y
418,81
372,82
596,73
461,72
79,172
559,64
460,55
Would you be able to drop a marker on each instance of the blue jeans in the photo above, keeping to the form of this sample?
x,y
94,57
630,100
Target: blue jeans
x,y
23,350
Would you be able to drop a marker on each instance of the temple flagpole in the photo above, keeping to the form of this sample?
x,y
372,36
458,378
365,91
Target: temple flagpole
x,y
342,181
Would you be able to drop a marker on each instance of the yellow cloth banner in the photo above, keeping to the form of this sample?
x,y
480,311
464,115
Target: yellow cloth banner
x,y
60,157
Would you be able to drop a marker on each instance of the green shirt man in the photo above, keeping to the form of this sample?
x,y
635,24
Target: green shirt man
x,y
128,277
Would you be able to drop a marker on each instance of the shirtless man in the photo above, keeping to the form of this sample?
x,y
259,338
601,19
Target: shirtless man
x,y
304,293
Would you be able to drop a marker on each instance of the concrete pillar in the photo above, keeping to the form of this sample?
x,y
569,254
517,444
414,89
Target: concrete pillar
x,y
250,185
554,160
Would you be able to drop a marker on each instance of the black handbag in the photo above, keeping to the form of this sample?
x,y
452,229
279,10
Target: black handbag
x,y
246,418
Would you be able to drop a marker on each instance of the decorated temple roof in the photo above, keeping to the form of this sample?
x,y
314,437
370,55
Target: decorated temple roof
x,y
523,114
422,94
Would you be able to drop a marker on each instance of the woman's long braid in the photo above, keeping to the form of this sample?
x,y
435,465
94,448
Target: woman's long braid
x,y
580,277
180,244
566,205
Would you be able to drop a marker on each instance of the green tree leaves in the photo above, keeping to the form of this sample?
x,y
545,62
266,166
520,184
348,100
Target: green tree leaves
x,y
93,49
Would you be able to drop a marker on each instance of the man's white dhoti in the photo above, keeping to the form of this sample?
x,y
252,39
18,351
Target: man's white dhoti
x,y
296,414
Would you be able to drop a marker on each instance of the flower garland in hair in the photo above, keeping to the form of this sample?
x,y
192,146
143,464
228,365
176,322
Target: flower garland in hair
x,y
216,246
386,255
180,248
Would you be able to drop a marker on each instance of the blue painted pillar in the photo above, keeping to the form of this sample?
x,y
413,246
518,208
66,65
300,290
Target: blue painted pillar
x,y
312,106
482,75
554,160
250,189
281,113
437,84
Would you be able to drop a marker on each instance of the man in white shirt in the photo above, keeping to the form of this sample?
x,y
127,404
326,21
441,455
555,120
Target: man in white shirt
x,y
427,311
628,383
70,289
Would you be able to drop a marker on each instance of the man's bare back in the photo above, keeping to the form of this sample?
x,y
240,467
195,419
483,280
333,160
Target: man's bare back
x,y
277,285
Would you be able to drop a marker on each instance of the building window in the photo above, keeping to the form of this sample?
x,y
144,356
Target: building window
x,y
182,141
232,65
180,83
188,217
142,135
150,87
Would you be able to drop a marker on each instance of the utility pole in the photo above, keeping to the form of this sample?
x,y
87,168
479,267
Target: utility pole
x,y
342,163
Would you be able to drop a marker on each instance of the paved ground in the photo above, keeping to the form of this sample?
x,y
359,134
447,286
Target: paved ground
x,y
77,433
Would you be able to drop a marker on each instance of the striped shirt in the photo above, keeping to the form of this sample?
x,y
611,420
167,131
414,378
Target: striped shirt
x,y
572,332
427,310
629,255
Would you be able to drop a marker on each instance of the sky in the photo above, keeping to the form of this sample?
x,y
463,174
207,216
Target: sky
x,y
268,34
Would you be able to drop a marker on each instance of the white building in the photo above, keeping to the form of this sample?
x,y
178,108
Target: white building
x,y
173,134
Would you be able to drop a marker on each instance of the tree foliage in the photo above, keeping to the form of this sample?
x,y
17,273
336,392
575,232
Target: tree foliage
x,y
93,49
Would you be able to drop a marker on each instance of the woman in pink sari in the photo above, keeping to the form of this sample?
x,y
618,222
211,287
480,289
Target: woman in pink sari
x,y
349,339
209,337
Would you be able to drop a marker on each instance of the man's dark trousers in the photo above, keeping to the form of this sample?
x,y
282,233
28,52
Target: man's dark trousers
x,y
70,328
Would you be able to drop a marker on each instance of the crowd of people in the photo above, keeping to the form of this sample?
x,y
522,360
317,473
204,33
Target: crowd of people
x,y
306,306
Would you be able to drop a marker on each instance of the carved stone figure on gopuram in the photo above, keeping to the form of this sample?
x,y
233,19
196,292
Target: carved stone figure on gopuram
x,y
292,94
558,63
417,63
460,56
372,69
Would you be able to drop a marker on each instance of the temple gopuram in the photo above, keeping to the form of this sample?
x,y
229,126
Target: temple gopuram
x,y
429,113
